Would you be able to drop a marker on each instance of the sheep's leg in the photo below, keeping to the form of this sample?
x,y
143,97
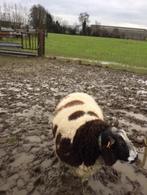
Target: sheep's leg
x,y
84,181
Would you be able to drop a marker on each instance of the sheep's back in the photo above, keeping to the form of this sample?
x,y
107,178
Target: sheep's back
x,y
73,111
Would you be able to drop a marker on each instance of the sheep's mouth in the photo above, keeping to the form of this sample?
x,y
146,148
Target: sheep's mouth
x,y
109,159
134,160
109,163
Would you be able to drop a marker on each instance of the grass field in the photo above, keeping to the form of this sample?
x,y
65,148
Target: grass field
x,y
131,55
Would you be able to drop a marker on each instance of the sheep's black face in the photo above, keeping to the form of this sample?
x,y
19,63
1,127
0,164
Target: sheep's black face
x,y
120,148
116,146
107,151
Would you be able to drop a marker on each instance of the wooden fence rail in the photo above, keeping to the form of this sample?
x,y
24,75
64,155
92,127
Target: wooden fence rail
x,y
25,43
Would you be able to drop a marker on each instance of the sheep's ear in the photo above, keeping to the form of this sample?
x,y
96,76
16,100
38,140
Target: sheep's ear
x,y
110,142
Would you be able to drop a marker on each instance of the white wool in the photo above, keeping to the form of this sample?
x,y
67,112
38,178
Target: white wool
x,y
67,127
77,96
84,171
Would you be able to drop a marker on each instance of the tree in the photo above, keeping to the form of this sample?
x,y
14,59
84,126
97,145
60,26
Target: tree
x,y
116,33
38,16
49,22
84,19
13,15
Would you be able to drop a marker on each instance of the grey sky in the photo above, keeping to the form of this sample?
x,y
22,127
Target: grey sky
x,y
108,12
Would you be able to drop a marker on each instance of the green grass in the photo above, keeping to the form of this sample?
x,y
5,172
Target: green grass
x,y
132,55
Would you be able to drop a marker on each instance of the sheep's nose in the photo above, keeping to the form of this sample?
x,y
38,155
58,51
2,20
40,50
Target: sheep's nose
x,y
135,159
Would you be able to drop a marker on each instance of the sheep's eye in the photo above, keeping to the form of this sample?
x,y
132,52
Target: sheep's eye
x,y
122,143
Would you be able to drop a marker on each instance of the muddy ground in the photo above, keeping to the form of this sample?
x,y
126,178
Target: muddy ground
x,y
29,91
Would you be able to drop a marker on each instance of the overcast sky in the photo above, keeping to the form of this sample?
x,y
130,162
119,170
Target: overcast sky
x,y
131,13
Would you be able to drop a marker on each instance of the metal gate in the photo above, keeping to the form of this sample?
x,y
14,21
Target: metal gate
x,y
24,43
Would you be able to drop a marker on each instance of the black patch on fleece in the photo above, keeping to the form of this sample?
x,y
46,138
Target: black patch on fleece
x,y
76,115
67,153
55,130
86,140
84,148
69,104
91,113
58,138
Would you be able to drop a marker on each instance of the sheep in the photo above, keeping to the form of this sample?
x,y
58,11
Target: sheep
x,y
84,140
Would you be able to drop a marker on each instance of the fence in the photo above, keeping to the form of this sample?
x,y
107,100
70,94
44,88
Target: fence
x,y
24,43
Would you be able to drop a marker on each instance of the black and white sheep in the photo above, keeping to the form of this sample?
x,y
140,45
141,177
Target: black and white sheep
x,y
84,140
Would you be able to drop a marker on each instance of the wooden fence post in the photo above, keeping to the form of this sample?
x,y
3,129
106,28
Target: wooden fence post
x,y
22,41
41,43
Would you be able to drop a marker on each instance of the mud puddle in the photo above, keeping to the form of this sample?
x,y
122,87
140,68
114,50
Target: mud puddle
x,y
122,178
136,115
132,120
132,125
129,172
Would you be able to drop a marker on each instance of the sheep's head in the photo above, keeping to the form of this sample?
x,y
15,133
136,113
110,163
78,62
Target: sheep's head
x,y
115,145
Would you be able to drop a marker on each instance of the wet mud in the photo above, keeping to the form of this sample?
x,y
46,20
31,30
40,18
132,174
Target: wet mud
x,y
29,92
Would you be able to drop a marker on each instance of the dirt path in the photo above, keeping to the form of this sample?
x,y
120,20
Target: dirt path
x,y
29,92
